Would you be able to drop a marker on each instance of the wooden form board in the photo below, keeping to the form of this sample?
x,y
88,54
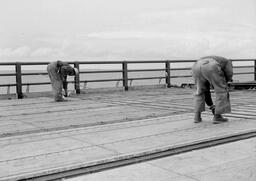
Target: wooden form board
x,y
39,135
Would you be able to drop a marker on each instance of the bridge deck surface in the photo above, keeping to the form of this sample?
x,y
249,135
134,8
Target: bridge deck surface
x,y
39,136
234,161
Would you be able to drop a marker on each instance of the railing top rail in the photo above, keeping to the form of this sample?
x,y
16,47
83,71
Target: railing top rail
x,y
101,62
70,62
236,60
7,63
111,62
24,63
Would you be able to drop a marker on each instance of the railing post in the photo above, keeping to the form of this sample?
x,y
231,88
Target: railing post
x,y
254,70
168,73
77,78
18,81
125,76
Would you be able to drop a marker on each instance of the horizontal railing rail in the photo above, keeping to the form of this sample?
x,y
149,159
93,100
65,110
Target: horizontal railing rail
x,y
125,71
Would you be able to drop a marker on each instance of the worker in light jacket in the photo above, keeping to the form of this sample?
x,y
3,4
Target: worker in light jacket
x,y
58,72
212,71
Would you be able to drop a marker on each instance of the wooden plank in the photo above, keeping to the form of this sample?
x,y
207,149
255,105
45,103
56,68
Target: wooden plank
x,y
79,118
100,142
33,166
73,146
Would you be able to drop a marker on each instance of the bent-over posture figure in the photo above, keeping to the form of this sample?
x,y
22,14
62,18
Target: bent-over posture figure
x,y
216,71
58,72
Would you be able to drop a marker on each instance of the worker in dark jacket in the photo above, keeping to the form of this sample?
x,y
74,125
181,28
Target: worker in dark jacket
x,y
58,72
213,71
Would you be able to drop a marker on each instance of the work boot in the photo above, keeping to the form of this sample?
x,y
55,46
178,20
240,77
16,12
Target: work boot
x,y
212,108
219,119
62,99
197,118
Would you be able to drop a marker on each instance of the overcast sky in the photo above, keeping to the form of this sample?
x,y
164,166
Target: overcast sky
x,y
35,30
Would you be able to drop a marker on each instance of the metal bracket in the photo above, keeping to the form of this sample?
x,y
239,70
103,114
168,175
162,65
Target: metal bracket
x,y
160,80
85,84
8,90
131,82
117,83
27,89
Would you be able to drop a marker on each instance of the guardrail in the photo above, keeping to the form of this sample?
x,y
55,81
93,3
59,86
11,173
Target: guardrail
x,y
125,72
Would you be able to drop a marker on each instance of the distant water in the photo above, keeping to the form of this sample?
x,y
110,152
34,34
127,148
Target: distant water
x,y
83,77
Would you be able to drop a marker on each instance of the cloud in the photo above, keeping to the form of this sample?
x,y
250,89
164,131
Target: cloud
x,y
42,52
128,35
144,35
121,45
15,52
191,13
185,19
26,52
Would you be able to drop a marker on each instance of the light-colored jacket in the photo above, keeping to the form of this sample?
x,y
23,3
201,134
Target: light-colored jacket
x,y
225,64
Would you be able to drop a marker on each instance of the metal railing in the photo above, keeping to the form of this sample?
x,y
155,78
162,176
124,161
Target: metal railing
x,y
124,71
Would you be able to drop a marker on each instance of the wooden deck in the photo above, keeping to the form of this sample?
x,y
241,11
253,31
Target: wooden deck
x,y
39,136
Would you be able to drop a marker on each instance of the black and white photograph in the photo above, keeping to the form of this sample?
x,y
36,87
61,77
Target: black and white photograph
x,y
128,90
